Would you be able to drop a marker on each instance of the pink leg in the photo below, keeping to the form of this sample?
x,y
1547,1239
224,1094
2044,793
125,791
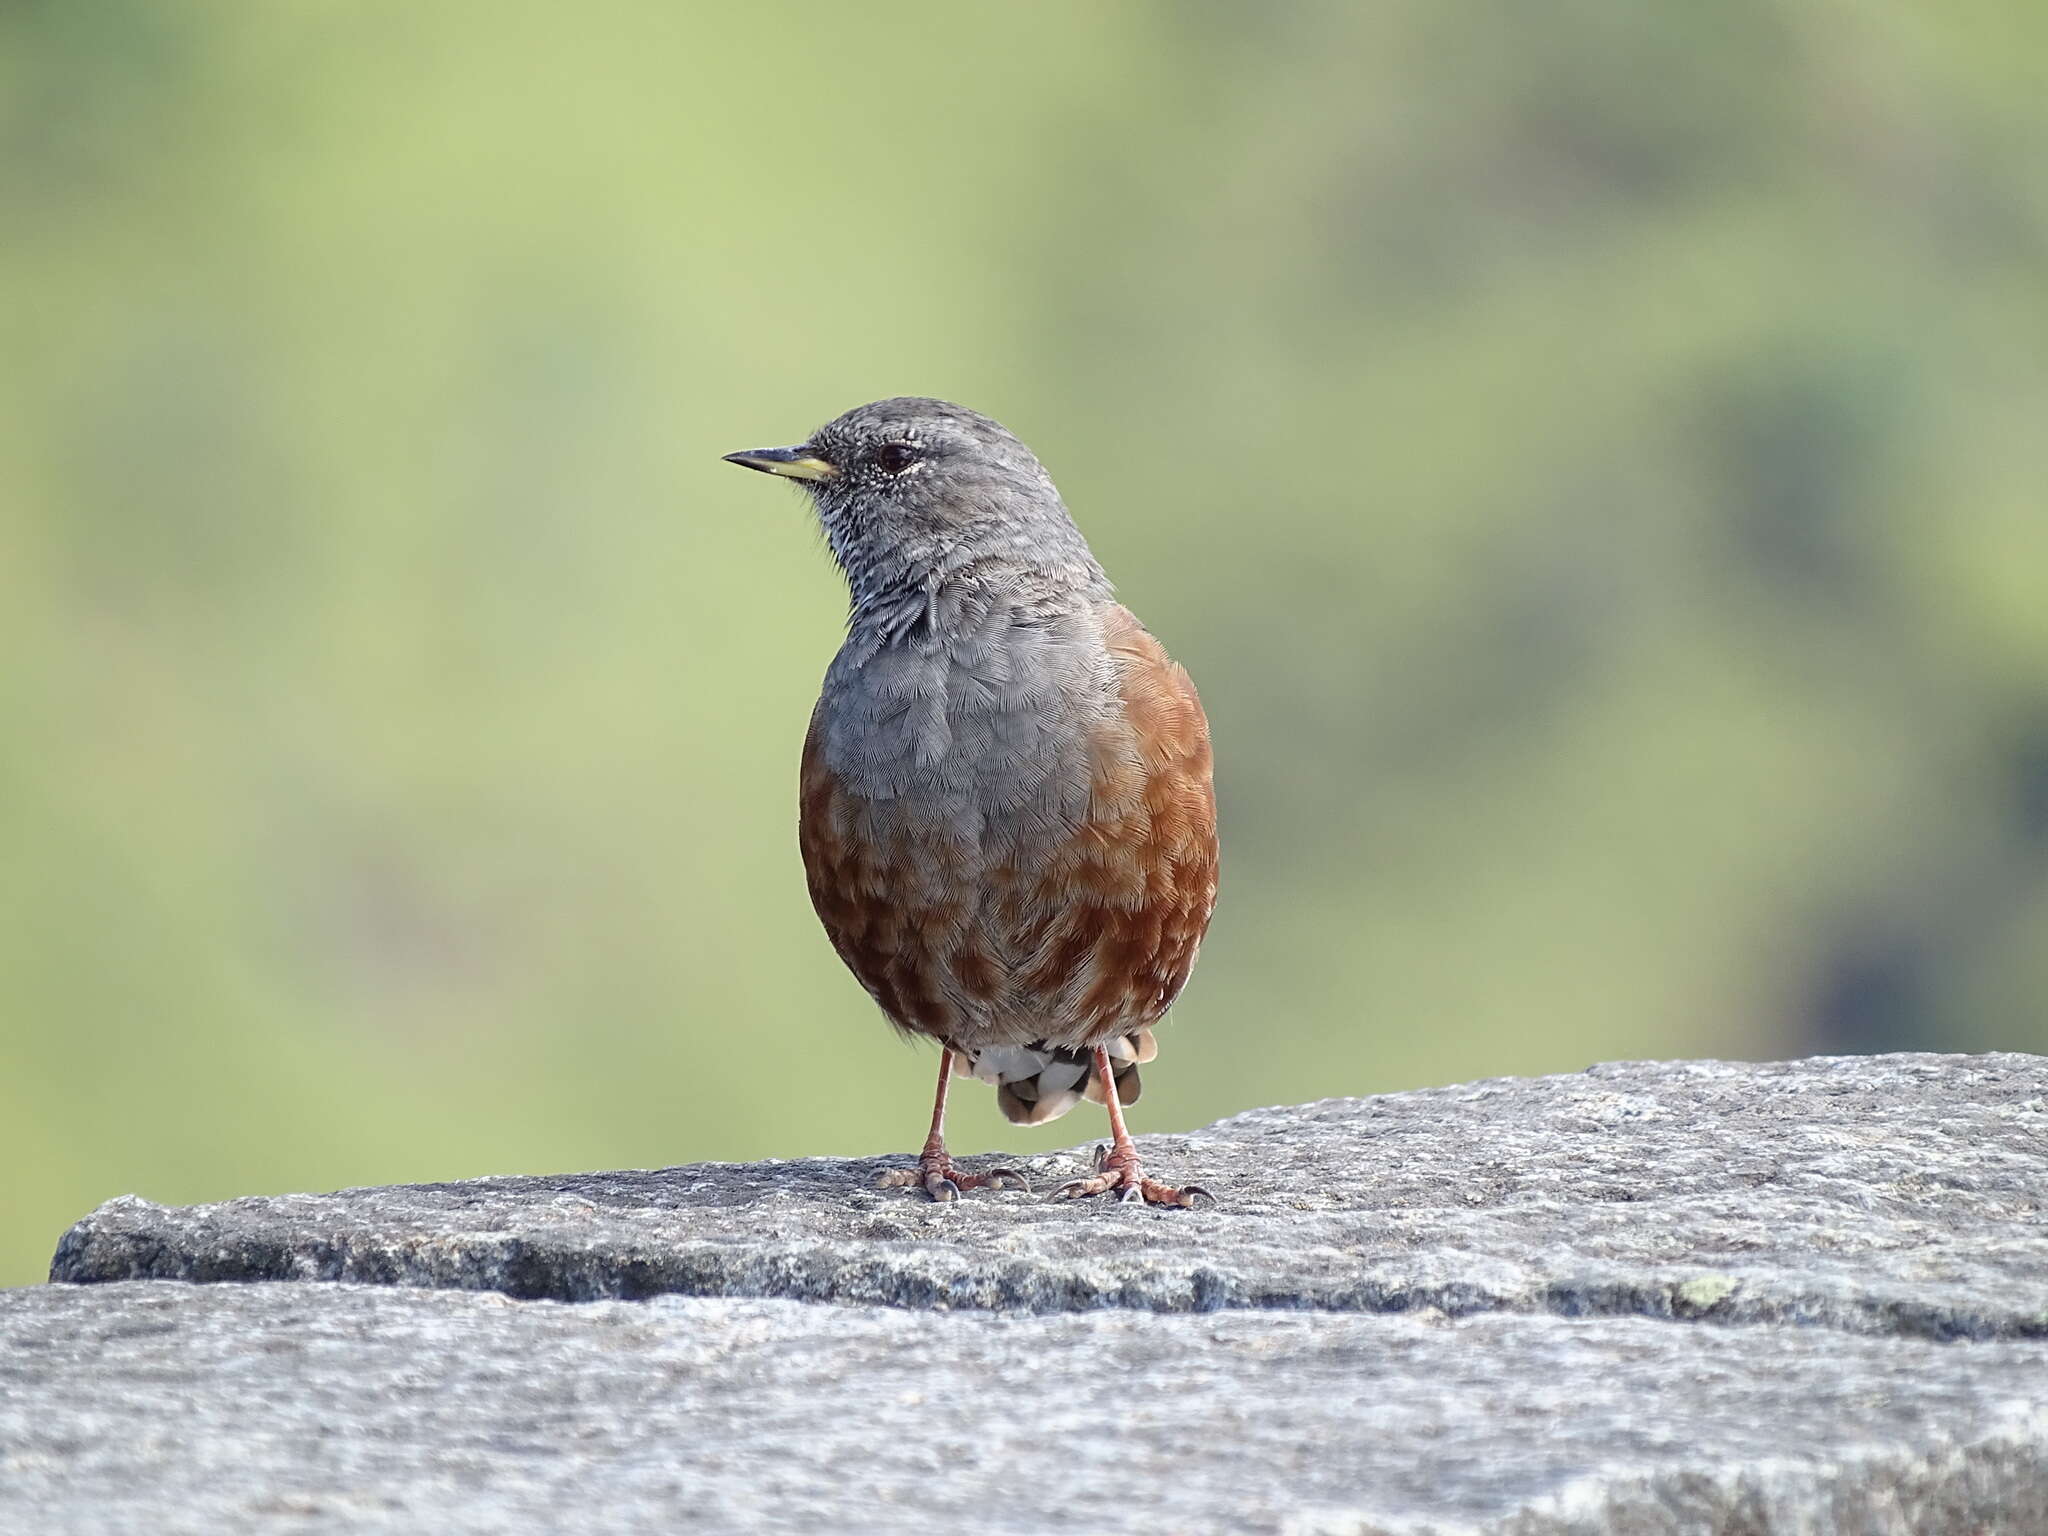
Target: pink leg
x,y
935,1172
1116,1167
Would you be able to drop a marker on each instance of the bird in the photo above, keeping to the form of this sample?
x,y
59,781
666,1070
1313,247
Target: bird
x,y
1006,807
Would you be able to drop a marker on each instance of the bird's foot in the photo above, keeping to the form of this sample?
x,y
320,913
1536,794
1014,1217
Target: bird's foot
x,y
1116,1168
938,1177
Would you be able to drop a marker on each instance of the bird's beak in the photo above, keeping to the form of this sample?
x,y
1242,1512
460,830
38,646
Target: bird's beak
x,y
798,463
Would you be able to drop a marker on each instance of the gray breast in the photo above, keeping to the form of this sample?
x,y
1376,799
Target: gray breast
x,y
972,735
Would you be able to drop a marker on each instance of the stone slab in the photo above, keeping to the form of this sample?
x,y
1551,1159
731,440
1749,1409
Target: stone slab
x,y
1902,1195
323,1408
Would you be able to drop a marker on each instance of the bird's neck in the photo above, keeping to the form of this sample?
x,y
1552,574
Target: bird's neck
x,y
930,588
921,597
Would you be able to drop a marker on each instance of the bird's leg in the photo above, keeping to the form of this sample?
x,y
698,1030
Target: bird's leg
x,y
935,1172
1116,1166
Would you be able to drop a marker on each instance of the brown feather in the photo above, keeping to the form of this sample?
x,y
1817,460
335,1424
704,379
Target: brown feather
x,y
1089,947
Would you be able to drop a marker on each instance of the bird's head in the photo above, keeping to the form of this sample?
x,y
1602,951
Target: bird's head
x,y
912,489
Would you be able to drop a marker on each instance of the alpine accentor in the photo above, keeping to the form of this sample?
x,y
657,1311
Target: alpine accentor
x,y
1006,813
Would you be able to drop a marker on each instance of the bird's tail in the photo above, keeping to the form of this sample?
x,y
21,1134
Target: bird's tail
x,y
1040,1082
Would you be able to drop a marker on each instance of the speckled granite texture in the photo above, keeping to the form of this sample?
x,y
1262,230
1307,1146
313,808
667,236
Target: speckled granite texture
x,y
1697,1297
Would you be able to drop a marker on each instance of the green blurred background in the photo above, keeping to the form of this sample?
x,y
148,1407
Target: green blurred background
x,y
1592,457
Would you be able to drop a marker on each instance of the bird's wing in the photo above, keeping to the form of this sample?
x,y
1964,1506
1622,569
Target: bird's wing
x,y
1124,909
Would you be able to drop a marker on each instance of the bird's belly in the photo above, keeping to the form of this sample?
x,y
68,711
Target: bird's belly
x,y
996,854
935,860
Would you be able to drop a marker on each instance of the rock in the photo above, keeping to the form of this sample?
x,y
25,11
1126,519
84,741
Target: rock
x,y
1899,1194
1656,1298
299,1407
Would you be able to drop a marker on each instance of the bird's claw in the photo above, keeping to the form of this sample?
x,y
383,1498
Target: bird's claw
x,y
1131,1187
944,1182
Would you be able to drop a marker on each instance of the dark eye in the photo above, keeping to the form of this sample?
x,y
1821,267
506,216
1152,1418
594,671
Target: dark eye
x,y
894,458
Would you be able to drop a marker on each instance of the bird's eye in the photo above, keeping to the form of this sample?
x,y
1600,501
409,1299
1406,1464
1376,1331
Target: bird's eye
x,y
894,458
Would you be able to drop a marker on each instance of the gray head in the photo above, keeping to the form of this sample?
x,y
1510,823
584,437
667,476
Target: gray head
x,y
918,494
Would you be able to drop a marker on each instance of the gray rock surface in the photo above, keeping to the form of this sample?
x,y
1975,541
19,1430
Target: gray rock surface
x,y
1900,1194
1665,1298
161,1408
